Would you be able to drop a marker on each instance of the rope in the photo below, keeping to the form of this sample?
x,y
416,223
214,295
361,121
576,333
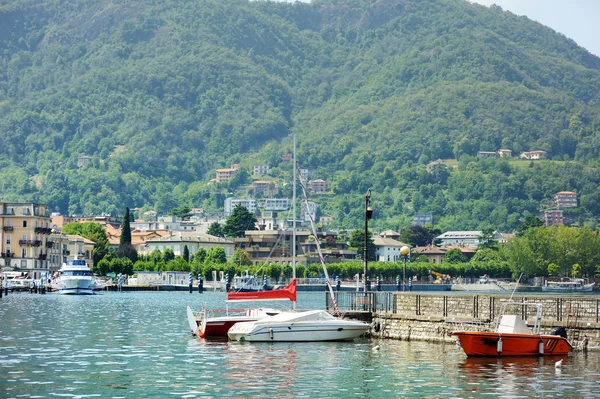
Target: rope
x,y
314,233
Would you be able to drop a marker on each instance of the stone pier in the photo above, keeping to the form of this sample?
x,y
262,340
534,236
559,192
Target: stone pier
x,y
434,316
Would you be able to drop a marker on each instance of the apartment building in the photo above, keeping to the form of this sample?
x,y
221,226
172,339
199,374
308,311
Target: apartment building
x,y
565,199
24,236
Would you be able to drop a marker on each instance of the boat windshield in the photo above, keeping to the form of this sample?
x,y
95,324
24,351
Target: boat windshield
x,y
76,273
76,262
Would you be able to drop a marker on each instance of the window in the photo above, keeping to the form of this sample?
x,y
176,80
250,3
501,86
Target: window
x,y
8,238
24,237
23,264
8,222
24,223
23,255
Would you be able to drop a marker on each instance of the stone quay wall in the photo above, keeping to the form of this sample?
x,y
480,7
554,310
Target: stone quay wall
x,y
434,316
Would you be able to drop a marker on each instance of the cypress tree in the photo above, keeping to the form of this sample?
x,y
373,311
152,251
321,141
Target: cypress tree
x,y
125,229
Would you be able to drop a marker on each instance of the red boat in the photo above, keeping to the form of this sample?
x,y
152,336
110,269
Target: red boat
x,y
513,337
209,326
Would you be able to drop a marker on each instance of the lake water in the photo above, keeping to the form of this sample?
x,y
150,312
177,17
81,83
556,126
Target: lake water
x,y
137,345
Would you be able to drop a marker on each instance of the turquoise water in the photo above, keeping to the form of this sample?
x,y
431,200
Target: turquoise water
x,y
137,345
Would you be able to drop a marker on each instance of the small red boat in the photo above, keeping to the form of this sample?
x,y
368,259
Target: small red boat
x,y
512,337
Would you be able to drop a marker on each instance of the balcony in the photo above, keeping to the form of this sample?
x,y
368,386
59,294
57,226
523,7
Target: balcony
x,y
49,244
30,243
7,228
42,230
66,252
42,257
7,254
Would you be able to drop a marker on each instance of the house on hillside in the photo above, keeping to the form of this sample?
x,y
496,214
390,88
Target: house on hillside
x,y
565,199
503,153
533,155
486,154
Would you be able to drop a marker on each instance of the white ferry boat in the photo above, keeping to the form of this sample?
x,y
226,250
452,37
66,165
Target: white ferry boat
x,y
75,278
573,285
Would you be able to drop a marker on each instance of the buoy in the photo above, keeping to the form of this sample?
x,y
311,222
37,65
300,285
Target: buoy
x,y
541,347
499,346
558,364
375,348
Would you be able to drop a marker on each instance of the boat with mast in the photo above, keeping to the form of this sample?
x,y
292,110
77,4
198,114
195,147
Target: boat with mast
x,y
308,326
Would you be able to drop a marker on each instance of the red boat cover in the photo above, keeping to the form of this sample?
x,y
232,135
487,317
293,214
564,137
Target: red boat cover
x,y
288,292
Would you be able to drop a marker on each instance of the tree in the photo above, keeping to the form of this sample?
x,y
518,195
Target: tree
x,y
186,253
240,220
168,255
180,211
454,255
241,258
357,240
125,229
215,229
528,222
216,255
487,239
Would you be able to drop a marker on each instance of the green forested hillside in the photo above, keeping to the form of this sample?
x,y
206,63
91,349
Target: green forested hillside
x,y
160,94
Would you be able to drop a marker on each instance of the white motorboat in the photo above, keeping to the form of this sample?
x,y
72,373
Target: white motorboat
x,y
309,326
75,278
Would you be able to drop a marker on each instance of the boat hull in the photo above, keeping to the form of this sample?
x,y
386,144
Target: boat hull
x,y
219,328
485,344
300,332
75,286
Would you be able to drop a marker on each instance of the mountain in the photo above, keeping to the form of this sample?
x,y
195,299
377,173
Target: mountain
x,y
160,94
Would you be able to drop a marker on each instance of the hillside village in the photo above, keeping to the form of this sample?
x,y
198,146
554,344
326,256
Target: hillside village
x,y
32,241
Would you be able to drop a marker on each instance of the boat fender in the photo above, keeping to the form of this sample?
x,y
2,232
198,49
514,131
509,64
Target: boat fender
x,y
499,346
271,333
541,347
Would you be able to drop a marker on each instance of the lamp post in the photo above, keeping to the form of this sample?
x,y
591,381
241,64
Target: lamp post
x,y
404,251
368,215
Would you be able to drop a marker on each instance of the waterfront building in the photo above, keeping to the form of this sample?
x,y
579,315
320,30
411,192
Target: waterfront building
x,y
176,241
68,246
24,236
388,249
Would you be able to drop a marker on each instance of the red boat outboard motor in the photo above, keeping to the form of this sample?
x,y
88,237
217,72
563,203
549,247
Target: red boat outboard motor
x,y
561,331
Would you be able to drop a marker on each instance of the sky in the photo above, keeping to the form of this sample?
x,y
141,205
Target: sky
x,y
576,19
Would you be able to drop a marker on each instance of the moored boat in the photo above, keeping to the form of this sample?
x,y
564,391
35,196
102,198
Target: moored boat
x,y
573,285
75,278
309,326
512,337
218,326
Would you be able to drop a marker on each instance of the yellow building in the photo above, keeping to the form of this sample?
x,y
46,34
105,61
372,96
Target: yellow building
x,y
24,237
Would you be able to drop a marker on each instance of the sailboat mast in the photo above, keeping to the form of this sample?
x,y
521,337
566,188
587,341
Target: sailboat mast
x,y
294,220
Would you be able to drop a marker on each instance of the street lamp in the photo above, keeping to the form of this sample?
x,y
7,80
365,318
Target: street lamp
x,y
404,251
368,215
